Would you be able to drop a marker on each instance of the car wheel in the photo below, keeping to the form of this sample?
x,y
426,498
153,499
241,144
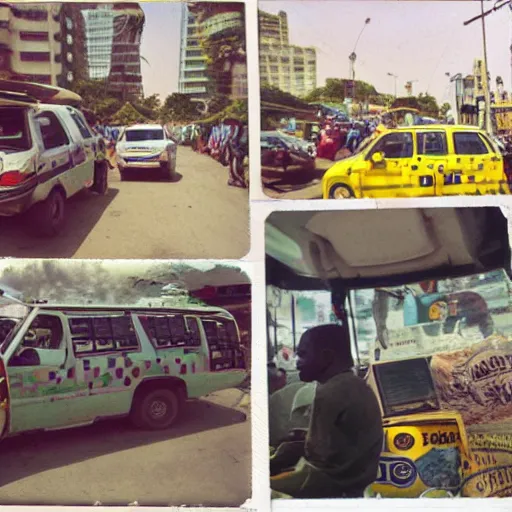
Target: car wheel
x,y
167,171
122,173
340,192
156,409
47,217
101,179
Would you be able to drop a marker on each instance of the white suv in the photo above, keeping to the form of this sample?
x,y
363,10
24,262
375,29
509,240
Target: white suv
x,y
146,146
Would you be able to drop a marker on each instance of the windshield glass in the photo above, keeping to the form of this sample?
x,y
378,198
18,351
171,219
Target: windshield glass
x,y
143,135
11,316
423,319
14,133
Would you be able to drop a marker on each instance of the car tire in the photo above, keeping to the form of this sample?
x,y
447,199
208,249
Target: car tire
x,y
167,171
156,409
101,179
47,217
122,173
340,191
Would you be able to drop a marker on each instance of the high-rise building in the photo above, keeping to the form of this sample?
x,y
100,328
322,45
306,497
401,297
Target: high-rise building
x,y
99,36
36,43
273,28
193,79
288,67
212,24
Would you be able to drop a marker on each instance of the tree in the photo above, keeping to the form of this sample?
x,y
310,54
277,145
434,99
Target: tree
x,y
127,115
335,88
428,104
152,102
445,108
178,108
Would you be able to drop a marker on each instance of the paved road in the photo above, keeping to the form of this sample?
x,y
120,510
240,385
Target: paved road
x,y
295,183
198,216
205,460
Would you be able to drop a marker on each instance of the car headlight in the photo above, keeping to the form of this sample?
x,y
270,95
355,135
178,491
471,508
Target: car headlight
x,y
164,156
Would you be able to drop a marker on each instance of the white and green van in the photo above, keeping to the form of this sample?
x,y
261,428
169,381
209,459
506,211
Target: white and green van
x,y
67,366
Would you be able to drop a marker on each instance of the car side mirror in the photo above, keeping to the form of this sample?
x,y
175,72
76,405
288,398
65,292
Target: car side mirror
x,y
378,158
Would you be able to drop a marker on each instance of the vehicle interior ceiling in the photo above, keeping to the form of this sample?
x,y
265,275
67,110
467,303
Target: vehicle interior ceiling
x,y
330,250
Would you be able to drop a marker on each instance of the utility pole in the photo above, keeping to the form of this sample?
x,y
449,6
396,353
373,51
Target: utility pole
x,y
485,79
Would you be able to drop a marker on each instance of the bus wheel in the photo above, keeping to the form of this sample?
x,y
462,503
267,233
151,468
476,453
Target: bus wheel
x,y
156,409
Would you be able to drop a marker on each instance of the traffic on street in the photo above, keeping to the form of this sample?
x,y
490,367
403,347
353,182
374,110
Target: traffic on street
x,y
435,121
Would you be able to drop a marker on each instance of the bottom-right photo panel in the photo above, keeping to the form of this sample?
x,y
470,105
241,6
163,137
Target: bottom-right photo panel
x,y
389,353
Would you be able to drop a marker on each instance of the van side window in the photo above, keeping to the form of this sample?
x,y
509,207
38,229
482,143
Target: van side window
x,y
431,143
395,145
44,332
103,334
54,135
194,331
469,143
169,331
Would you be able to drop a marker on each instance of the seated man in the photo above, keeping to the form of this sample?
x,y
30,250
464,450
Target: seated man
x,y
345,435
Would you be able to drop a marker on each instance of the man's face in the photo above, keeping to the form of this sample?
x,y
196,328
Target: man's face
x,y
309,361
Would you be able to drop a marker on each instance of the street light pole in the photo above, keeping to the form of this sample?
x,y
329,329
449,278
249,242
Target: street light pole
x,y
396,78
353,56
485,81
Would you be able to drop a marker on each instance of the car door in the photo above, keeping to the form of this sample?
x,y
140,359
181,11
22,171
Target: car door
x,y
56,160
84,149
430,162
389,178
44,394
466,173
493,165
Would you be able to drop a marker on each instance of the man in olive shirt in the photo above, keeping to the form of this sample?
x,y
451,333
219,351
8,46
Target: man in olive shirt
x,y
345,434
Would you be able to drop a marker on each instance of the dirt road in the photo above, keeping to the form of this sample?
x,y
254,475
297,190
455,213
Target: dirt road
x,y
197,216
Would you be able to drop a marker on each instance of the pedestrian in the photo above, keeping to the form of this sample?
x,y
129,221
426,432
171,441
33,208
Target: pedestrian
x,y
345,435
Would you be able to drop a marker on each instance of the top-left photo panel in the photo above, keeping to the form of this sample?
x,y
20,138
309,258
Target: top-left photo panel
x,y
123,130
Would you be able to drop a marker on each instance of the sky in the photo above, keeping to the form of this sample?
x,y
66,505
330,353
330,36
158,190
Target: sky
x,y
411,39
161,48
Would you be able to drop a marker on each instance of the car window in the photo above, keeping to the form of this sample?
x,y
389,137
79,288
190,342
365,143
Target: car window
x,y
469,143
142,135
103,334
14,132
395,145
53,135
45,332
81,124
431,143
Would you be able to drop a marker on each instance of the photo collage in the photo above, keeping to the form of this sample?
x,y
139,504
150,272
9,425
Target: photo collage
x,y
330,178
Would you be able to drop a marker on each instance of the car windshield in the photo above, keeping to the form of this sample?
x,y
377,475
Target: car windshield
x,y
420,319
14,133
143,135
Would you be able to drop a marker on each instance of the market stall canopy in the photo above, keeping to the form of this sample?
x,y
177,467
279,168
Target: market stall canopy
x,y
40,93
367,248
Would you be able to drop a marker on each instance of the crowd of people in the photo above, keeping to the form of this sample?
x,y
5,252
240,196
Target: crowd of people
x,y
226,142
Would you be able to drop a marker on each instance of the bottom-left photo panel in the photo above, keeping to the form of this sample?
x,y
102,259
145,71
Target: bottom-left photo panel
x,y
125,383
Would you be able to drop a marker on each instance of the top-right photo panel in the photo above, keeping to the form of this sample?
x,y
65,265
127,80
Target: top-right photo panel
x,y
386,99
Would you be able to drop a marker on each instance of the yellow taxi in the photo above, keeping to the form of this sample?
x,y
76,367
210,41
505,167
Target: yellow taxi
x,y
415,161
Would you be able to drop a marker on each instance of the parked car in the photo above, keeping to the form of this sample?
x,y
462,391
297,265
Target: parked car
x,y
433,160
146,146
281,150
48,153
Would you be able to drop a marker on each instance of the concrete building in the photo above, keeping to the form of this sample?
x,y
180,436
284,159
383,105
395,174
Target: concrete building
x,y
288,67
193,79
31,43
